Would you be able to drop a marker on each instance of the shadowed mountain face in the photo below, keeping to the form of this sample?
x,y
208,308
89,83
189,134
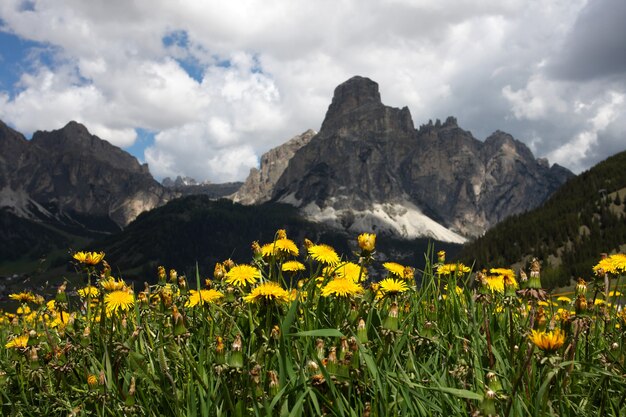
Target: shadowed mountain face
x,y
368,168
72,176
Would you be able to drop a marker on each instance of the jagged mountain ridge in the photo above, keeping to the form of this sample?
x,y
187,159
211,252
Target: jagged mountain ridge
x,y
368,168
70,175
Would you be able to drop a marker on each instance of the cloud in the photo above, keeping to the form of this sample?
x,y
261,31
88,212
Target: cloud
x,y
222,82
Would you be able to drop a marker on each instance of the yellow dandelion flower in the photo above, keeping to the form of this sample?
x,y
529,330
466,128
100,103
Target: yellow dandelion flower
x,y
548,341
614,293
495,283
598,301
451,269
89,292
287,246
242,275
393,286
502,272
203,296
350,270
89,258
395,268
613,265
324,254
268,291
23,310
564,299
18,342
292,266
111,284
367,241
341,287
92,380
119,300
23,297
61,319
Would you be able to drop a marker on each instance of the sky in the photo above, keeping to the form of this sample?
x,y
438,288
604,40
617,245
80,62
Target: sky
x,y
204,88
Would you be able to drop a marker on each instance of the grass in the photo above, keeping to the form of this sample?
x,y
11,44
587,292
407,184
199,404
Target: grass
x,y
457,345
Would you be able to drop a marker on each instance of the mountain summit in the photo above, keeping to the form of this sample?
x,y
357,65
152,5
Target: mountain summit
x,y
369,169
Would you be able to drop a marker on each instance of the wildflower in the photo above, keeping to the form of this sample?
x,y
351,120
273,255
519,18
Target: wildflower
x,y
268,291
408,273
281,234
203,297
111,284
286,246
88,292
292,266
392,286
18,342
219,272
614,293
612,265
89,258
22,311
367,242
242,275
580,306
23,297
341,287
563,299
548,341
118,300
451,269
352,271
581,287
395,269
324,254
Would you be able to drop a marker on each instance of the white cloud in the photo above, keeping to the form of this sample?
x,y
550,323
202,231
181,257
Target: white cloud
x,y
222,82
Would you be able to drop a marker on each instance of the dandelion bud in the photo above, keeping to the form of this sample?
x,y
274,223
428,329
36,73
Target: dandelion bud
x,y
220,358
391,322
87,331
92,380
331,361
281,234
124,323
307,243
540,319
319,348
274,384
173,276
488,405
182,282
101,378
535,274
228,264
236,355
32,354
581,287
344,348
441,256
523,279
580,306
408,273
361,331
312,367
256,249
493,382
275,333
367,242
132,388
161,274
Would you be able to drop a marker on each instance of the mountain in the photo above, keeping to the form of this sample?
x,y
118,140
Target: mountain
x,y
66,187
584,218
184,186
368,168
260,183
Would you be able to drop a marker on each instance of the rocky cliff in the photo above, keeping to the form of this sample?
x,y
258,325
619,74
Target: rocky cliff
x,y
72,175
368,168
259,185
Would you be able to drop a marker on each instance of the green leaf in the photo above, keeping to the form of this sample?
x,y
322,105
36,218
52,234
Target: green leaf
x,y
318,333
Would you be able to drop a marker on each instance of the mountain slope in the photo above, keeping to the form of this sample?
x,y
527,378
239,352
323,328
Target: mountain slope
x,y
568,232
369,167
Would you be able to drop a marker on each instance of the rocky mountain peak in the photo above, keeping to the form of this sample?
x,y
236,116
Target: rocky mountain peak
x,y
356,92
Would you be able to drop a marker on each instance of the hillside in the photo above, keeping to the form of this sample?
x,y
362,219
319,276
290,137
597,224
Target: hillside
x,y
197,229
582,219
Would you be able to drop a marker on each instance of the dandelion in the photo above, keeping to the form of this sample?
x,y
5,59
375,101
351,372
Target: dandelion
x,y
292,266
92,380
548,341
268,291
563,299
341,287
23,297
203,297
324,254
391,286
111,284
89,292
242,275
451,269
612,265
18,342
614,293
350,270
395,269
441,256
89,258
118,300
367,242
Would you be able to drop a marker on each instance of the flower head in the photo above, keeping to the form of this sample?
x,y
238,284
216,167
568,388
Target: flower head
x,y
88,292
395,269
242,275
18,342
392,286
324,254
451,269
268,291
350,270
89,258
280,246
612,265
341,287
203,297
23,297
548,341
119,300
292,266
367,241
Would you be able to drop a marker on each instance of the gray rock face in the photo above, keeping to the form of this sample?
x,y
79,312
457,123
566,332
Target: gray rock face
x,y
368,156
259,185
73,173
